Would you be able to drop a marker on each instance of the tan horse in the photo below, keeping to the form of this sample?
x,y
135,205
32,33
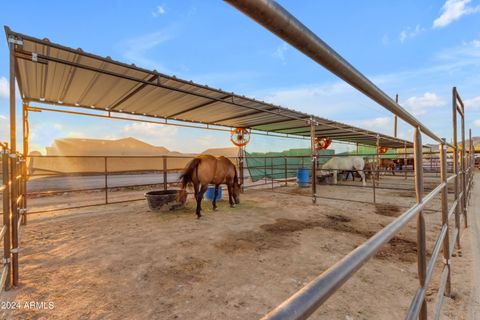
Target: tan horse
x,y
206,169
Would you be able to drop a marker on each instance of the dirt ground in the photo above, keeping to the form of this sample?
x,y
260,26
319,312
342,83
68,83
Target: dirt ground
x,y
122,261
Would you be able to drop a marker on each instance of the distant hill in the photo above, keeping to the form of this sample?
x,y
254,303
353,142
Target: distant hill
x,y
476,142
226,152
99,147
121,147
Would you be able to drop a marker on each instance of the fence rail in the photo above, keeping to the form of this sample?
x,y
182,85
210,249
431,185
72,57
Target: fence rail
x,y
13,190
49,175
313,295
279,21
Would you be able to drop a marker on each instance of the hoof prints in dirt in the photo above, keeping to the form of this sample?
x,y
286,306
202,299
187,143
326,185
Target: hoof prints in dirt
x,y
399,248
288,225
272,236
279,235
388,210
184,273
404,194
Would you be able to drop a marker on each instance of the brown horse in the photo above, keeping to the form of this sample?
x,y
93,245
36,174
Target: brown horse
x,y
206,169
387,165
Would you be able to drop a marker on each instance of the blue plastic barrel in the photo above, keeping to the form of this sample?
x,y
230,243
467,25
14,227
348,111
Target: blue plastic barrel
x,y
211,192
303,177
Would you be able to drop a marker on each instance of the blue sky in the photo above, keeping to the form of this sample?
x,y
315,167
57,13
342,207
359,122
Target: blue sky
x,y
418,49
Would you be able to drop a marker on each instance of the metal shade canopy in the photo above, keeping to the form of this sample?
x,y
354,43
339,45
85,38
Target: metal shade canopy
x,y
54,74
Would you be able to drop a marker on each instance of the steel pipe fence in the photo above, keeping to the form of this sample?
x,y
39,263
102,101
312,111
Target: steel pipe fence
x,y
14,214
301,305
48,175
333,278
5,233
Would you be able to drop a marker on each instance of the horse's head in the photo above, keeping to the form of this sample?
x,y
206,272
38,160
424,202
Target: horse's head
x,y
181,196
237,187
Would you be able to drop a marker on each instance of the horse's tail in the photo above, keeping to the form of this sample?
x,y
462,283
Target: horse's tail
x,y
187,176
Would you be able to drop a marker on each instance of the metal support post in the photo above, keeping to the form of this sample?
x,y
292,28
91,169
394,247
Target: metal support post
x,y
13,166
25,134
6,217
462,164
165,173
421,237
395,119
106,178
314,161
377,161
241,166
455,166
446,240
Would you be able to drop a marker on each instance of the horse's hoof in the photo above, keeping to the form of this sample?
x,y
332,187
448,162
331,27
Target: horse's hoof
x,y
215,209
232,206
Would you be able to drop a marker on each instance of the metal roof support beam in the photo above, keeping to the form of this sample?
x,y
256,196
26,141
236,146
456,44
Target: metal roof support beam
x,y
80,52
197,107
332,131
249,113
127,77
279,21
354,133
109,116
323,130
132,93
276,122
239,117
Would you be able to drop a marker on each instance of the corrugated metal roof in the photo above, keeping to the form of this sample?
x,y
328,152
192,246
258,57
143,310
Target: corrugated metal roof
x,y
55,74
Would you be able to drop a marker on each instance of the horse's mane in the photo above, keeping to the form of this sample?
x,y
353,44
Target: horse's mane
x,y
186,176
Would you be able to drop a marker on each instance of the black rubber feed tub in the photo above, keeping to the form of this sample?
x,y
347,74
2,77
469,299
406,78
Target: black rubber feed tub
x,y
163,200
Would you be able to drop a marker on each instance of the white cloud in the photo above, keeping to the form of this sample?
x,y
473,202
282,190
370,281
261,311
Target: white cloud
x,y
159,10
409,33
279,52
466,53
156,134
420,105
382,124
44,133
474,43
207,141
4,88
305,95
4,128
136,49
225,79
327,99
453,10
477,123
473,103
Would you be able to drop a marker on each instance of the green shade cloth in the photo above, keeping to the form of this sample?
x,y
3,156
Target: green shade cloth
x,y
281,165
